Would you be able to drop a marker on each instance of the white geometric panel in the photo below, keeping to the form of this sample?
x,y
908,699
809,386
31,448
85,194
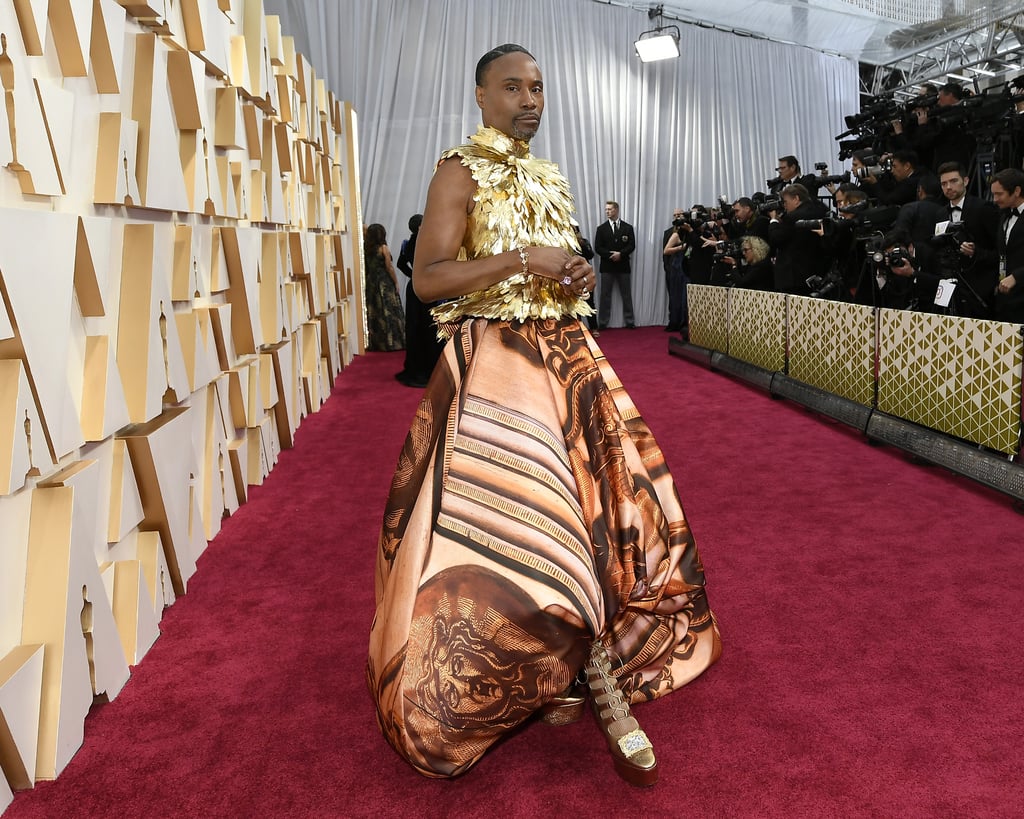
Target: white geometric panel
x,y
959,376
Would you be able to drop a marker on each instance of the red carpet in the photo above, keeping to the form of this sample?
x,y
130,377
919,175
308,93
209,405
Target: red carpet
x,y
871,611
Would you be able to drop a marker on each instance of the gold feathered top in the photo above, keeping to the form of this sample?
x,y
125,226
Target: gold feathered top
x,y
520,201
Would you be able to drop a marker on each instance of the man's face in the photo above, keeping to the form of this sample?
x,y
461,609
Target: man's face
x,y
901,170
742,212
954,186
1004,198
512,95
611,212
677,215
786,171
790,203
946,99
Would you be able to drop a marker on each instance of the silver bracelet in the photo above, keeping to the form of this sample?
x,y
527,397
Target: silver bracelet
x,y
524,257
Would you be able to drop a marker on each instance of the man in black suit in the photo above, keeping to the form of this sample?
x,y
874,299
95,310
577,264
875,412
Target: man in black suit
x,y
971,253
614,242
1008,194
799,252
789,174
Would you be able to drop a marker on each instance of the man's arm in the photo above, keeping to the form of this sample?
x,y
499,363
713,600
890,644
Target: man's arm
x,y
437,272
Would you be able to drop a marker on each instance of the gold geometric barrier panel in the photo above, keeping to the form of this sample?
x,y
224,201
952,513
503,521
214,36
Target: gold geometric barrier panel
x,y
757,328
959,376
831,347
709,316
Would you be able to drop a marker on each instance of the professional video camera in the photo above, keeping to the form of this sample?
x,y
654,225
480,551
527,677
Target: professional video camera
x,y
870,126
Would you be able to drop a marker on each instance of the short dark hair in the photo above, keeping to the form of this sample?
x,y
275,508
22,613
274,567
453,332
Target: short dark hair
x,y
745,201
954,89
855,195
415,221
952,167
495,53
930,185
907,156
791,160
1009,179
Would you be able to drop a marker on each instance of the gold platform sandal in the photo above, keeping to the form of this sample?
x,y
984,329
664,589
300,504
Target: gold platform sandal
x,y
631,750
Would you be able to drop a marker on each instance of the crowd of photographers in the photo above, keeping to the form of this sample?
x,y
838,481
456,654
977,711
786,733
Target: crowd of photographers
x,y
903,229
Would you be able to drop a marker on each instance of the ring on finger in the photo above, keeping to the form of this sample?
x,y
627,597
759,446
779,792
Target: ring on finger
x,y
584,293
567,281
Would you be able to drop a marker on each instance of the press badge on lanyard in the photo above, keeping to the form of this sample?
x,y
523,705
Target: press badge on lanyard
x,y
1002,267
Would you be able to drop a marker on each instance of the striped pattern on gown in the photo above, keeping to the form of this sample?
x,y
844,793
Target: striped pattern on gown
x,y
531,511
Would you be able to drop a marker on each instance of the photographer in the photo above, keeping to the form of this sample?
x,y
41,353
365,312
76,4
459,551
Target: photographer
x,y
753,269
700,233
920,217
901,286
898,184
966,245
799,253
788,171
943,134
746,221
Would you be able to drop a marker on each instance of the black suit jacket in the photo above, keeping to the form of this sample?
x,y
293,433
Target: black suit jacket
x,y
1010,307
799,252
605,242
982,221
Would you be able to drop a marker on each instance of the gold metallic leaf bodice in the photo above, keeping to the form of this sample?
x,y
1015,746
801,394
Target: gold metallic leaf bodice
x,y
520,200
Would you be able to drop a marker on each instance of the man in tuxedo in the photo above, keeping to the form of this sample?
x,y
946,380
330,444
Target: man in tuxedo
x,y
970,254
789,174
1008,194
614,242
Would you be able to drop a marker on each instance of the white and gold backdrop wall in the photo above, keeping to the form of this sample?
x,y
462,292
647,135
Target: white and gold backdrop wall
x,y
179,270
757,328
960,376
832,347
708,309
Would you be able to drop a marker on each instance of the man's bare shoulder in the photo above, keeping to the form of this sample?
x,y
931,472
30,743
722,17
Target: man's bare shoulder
x,y
453,182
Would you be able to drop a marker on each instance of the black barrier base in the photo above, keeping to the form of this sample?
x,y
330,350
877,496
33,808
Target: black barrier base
x,y
937,448
834,406
957,456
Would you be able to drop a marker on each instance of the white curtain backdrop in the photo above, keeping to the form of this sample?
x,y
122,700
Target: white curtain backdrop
x,y
652,137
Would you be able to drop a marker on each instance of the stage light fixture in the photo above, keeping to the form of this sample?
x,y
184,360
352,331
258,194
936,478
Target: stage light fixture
x,y
661,43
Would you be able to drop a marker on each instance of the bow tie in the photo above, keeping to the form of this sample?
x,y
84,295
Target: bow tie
x,y
955,208
1013,212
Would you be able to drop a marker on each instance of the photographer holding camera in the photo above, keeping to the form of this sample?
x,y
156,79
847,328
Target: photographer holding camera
x,y
749,269
898,274
799,253
895,182
942,132
788,171
746,221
